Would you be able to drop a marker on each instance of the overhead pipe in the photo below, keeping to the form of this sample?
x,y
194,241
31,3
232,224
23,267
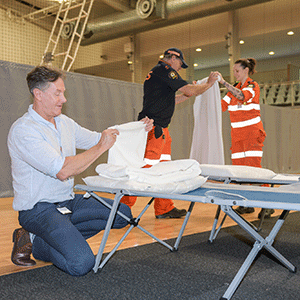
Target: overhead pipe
x,y
152,14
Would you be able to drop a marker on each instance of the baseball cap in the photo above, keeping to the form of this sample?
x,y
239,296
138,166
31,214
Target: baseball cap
x,y
178,53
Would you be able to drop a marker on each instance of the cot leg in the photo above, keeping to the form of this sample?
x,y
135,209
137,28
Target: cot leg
x,y
123,238
270,240
183,226
258,245
107,227
112,251
136,220
134,223
155,238
242,271
214,232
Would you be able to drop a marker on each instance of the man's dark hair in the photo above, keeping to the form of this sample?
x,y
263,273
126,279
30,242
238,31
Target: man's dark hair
x,y
41,76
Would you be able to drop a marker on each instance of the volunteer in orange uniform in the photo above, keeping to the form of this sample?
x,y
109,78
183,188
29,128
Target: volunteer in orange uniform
x,y
160,87
247,131
242,102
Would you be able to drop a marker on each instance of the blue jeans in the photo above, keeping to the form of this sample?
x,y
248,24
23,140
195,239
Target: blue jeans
x,y
61,239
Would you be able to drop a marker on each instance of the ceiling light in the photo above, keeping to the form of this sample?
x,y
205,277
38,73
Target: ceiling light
x,y
271,53
290,32
242,42
195,65
161,56
198,49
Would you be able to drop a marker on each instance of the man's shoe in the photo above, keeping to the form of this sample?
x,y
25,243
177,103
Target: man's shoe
x,y
268,213
175,213
244,210
22,249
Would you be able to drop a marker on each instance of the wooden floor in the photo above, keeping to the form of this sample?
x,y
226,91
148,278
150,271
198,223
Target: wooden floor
x,y
200,221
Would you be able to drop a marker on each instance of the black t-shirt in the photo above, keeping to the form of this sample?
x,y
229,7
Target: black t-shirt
x,y
160,88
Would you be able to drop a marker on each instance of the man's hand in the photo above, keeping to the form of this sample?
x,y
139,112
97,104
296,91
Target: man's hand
x,y
108,138
148,122
222,81
74,165
212,78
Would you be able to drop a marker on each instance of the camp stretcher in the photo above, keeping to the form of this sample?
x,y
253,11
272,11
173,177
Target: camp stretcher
x,y
225,196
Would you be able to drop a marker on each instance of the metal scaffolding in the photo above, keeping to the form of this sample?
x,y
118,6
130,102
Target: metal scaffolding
x,y
69,28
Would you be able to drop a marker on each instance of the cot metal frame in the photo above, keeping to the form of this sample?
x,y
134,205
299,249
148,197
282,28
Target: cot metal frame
x,y
227,180
222,195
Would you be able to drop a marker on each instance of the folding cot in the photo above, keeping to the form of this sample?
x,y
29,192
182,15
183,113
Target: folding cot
x,y
283,180
285,198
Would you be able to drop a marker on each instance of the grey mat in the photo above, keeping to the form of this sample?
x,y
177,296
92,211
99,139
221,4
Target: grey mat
x,y
198,270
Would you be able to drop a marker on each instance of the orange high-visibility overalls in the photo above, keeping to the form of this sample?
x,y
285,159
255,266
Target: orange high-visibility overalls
x,y
247,132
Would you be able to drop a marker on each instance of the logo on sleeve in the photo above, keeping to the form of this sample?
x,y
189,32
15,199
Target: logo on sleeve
x,y
173,75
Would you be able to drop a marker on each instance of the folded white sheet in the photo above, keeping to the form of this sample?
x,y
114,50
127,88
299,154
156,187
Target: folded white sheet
x,y
179,187
178,176
161,173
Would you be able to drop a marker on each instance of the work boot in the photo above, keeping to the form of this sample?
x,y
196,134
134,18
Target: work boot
x,y
175,213
268,213
244,210
22,249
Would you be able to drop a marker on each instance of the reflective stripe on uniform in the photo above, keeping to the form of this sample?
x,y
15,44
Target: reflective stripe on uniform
x,y
153,162
165,157
238,155
245,123
243,107
227,99
254,153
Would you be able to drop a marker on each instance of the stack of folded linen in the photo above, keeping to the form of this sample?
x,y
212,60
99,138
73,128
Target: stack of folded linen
x,y
178,176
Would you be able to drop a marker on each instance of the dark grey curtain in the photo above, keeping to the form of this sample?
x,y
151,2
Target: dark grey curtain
x,y
97,103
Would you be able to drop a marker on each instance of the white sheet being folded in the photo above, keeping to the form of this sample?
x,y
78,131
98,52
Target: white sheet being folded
x,y
161,173
129,148
207,141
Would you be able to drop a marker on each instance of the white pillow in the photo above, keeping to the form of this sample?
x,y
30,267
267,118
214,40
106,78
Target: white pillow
x,y
236,171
